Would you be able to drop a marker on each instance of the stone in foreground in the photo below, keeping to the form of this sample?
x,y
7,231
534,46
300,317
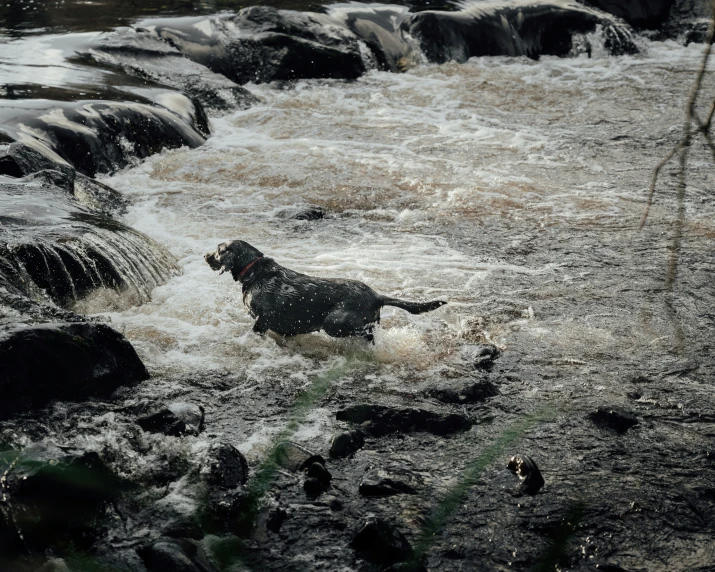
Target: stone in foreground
x,y
381,420
74,361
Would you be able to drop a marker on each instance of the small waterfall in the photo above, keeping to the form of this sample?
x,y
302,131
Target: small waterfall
x,y
108,255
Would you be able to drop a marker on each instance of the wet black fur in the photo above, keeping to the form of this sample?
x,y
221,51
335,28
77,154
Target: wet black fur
x,y
289,303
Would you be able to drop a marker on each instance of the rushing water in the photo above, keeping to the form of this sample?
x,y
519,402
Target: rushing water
x,y
511,188
507,148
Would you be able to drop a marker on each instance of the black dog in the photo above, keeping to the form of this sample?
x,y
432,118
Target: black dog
x,y
289,303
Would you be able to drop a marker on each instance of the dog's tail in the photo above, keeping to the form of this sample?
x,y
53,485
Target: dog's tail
x,y
412,307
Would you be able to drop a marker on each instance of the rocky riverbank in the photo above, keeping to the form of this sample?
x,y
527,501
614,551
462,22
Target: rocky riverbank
x,y
564,423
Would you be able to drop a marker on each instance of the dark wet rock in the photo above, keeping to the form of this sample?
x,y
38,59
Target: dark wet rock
x,y
54,495
460,392
294,457
381,483
484,356
177,555
614,418
309,212
74,361
22,161
269,520
346,443
175,419
380,542
526,469
102,136
313,487
689,21
141,52
262,44
334,503
530,29
54,246
183,527
379,26
226,510
380,420
227,467
638,13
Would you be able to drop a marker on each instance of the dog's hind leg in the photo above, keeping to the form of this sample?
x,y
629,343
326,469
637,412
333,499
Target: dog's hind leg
x,y
341,323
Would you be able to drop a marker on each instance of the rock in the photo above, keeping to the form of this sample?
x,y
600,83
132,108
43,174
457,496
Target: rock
x,y
295,458
614,418
638,13
141,52
183,527
58,243
73,361
485,356
261,44
381,483
317,479
313,487
101,135
529,29
380,420
176,420
227,467
689,21
471,392
270,519
346,443
409,566
307,212
225,510
54,495
381,543
177,555
525,468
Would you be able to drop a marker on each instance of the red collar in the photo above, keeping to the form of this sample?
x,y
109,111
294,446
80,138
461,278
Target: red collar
x,y
240,274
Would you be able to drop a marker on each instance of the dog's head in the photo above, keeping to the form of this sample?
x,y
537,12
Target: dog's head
x,y
233,257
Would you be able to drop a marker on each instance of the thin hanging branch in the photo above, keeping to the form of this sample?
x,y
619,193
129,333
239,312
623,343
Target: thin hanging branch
x,y
682,146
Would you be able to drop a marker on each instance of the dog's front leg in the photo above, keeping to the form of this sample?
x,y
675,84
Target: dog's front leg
x,y
260,326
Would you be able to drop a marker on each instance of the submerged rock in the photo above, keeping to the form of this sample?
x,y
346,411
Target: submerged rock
x,y
177,555
72,361
638,13
227,467
460,392
614,418
143,53
55,245
262,44
52,496
101,135
176,420
525,468
531,28
485,354
380,420
380,542
346,443
317,479
294,457
381,483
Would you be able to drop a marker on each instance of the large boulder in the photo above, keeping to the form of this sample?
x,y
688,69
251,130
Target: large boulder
x,y
59,243
638,13
66,361
531,28
102,135
262,44
52,496
143,53
380,420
